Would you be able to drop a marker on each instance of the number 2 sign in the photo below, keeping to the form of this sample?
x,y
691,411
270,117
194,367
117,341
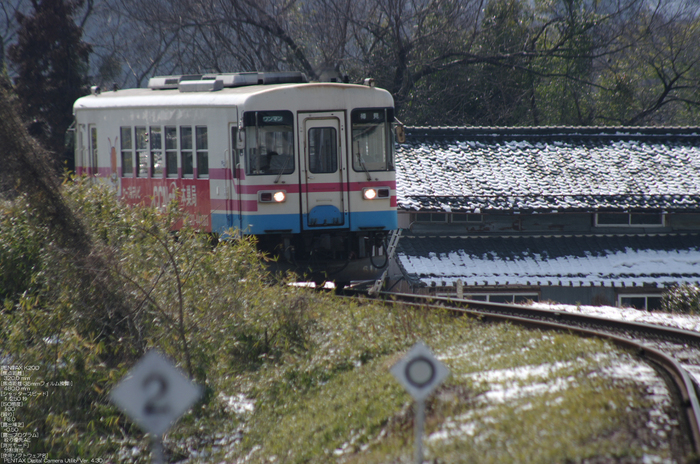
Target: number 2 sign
x,y
155,393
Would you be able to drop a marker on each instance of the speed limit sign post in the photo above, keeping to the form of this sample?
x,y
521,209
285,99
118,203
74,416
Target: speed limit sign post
x,y
420,373
154,393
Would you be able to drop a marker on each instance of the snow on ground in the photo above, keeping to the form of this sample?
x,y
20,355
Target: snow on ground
x,y
238,404
530,381
679,321
527,382
523,384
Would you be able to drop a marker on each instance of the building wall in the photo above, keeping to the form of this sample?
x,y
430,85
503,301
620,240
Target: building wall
x,y
580,295
563,223
593,296
536,224
684,222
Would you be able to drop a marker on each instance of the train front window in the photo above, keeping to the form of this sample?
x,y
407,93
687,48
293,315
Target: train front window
x,y
269,142
371,139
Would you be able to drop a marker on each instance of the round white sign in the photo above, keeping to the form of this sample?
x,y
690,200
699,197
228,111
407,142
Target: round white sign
x,y
419,372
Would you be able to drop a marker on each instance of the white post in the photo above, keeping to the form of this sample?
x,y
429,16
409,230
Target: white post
x,y
157,450
460,289
418,430
420,373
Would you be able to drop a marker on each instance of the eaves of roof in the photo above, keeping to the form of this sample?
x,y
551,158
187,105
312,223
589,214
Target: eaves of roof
x,y
524,204
552,132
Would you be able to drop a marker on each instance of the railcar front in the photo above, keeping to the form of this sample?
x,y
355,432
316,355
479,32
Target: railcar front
x,y
306,167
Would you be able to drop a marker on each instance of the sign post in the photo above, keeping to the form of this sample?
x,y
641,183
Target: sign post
x,y
420,373
154,393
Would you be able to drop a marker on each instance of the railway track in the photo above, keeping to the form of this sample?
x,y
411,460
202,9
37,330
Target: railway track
x,y
672,352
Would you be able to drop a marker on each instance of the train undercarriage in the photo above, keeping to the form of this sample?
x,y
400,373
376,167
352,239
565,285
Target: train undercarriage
x,y
337,256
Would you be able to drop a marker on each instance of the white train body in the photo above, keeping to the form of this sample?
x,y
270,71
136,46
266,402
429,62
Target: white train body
x,y
306,167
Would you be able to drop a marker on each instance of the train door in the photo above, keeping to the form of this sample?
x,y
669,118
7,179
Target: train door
x,y
92,151
80,162
234,188
323,192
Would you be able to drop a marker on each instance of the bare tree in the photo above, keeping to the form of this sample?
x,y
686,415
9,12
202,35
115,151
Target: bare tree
x,y
9,24
445,61
662,71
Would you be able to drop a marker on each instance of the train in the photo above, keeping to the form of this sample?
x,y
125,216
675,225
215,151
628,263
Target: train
x,y
305,167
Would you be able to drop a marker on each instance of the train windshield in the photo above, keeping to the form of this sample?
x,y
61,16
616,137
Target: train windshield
x,y
269,142
371,139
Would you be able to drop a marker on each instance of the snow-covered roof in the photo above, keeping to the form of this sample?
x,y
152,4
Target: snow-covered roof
x,y
485,170
558,260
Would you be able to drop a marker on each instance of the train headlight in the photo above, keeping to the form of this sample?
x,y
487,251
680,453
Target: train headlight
x,y
279,196
371,193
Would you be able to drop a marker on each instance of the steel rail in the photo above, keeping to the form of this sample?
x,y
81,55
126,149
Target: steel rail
x,y
678,335
562,321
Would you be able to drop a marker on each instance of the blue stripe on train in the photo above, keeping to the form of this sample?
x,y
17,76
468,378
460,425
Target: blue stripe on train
x,y
256,224
289,223
372,219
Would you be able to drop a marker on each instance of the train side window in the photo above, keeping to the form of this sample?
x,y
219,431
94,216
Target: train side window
x,y
323,153
371,139
202,152
142,152
171,151
186,151
269,142
127,151
156,139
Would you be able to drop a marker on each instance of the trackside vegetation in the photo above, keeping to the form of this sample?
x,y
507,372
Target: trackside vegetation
x,y
291,374
683,299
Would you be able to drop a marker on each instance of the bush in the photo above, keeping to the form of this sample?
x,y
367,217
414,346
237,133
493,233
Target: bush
x,y
210,308
214,309
684,299
20,248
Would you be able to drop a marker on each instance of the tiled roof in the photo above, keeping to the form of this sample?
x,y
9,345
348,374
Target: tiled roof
x,y
549,169
569,260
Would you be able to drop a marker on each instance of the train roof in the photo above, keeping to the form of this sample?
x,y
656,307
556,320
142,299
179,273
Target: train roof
x,y
268,91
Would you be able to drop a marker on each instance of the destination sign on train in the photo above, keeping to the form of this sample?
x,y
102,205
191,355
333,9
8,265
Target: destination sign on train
x,y
273,119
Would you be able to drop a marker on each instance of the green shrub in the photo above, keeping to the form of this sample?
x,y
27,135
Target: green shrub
x,y
21,241
208,307
684,299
